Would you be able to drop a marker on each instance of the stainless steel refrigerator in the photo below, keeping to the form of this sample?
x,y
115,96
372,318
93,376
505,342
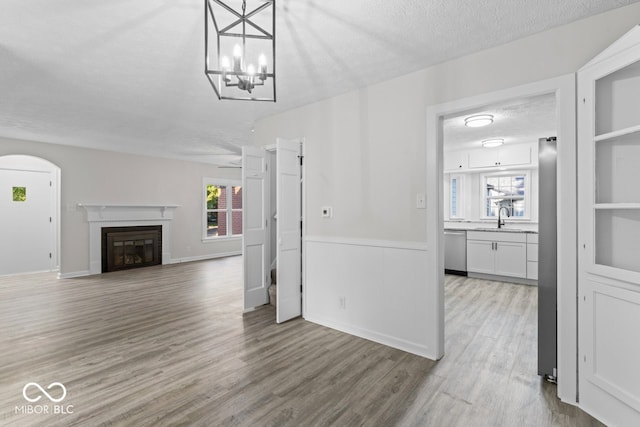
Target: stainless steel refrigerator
x,y
547,258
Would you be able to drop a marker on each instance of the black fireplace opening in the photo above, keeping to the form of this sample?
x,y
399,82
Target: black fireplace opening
x,y
124,248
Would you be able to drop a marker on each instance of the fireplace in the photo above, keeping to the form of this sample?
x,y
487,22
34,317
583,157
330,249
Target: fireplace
x,y
124,248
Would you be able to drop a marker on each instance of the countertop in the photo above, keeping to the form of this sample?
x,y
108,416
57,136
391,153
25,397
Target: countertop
x,y
509,227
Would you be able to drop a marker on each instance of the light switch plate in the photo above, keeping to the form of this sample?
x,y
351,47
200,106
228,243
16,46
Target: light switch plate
x,y
421,201
327,212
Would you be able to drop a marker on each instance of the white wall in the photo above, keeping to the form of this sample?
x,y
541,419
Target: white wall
x,y
94,176
365,150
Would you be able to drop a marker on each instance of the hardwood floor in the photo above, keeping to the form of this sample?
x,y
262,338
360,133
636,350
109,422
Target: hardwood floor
x,y
169,345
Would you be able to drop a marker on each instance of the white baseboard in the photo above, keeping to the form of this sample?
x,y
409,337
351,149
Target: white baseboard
x,y
171,261
387,340
74,274
204,257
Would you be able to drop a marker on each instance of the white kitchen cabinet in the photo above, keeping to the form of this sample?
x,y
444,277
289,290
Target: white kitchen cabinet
x,y
456,160
514,155
480,256
511,259
497,253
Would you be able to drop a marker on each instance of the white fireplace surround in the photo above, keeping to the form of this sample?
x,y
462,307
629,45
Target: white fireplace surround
x,y
99,216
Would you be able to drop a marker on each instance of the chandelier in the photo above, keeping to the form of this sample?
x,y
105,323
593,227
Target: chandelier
x,y
240,49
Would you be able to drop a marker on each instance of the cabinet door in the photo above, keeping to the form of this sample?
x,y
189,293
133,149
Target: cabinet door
x,y
484,158
455,160
511,259
514,155
480,257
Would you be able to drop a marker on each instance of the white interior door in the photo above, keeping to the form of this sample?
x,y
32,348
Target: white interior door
x,y
254,220
26,226
609,233
288,234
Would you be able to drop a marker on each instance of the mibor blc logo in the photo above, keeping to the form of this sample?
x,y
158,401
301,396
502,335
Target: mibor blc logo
x,y
49,387
54,392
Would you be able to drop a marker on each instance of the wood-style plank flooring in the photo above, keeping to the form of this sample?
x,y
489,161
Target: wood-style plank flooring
x,y
169,345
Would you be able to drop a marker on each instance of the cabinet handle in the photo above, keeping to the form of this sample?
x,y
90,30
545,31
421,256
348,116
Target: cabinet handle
x,y
496,246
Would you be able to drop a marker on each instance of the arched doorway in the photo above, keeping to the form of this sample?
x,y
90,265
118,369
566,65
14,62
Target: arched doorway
x,y
29,215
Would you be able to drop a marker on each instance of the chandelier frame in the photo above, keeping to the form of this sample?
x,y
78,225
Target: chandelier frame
x,y
221,79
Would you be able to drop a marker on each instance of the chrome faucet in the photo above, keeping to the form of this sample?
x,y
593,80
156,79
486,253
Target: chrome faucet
x,y
500,220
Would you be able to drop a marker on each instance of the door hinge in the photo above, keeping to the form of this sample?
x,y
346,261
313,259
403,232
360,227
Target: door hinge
x,y
301,158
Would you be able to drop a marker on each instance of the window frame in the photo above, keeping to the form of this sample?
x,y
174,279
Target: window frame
x,y
526,198
229,183
460,197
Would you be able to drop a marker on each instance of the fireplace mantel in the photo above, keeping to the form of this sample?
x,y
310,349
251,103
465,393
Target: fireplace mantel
x,y
113,215
103,212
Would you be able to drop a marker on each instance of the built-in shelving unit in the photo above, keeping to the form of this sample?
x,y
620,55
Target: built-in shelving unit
x,y
609,232
616,148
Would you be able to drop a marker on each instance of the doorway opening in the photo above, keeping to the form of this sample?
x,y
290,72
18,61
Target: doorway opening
x,y
273,206
30,202
487,186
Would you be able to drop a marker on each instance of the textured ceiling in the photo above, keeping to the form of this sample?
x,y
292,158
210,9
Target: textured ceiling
x,y
517,121
127,75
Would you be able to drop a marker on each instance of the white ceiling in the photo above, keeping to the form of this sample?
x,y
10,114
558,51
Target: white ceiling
x,y
517,121
127,75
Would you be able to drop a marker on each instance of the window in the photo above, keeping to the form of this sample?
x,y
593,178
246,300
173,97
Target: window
x,y
508,191
19,194
456,197
223,209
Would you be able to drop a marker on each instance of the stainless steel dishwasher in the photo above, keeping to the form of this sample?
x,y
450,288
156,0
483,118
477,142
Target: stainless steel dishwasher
x,y
455,252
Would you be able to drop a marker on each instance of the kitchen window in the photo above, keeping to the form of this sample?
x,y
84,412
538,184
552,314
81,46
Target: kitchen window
x,y
222,216
456,197
510,191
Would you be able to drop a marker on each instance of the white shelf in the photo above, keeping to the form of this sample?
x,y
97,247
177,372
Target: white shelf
x,y
617,133
612,206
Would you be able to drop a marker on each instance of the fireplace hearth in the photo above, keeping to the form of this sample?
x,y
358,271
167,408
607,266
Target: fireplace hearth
x,y
124,248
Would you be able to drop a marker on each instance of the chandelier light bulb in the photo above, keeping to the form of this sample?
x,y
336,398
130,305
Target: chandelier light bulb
x,y
225,64
251,70
237,51
478,120
237,59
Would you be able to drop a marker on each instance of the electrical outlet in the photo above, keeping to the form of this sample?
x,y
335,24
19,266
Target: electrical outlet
x,y
343,303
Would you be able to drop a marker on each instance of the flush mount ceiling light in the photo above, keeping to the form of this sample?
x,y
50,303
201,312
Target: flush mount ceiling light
x,y
478,120
490,143
240,49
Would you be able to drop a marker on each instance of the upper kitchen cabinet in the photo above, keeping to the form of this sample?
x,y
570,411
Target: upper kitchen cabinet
x,y
514,155
455,160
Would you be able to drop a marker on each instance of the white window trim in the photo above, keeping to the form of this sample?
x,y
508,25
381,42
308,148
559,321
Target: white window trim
x,y
219,182
460,197
527,194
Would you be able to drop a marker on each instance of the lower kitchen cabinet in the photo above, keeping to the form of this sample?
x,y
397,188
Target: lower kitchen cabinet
x,y
497,253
